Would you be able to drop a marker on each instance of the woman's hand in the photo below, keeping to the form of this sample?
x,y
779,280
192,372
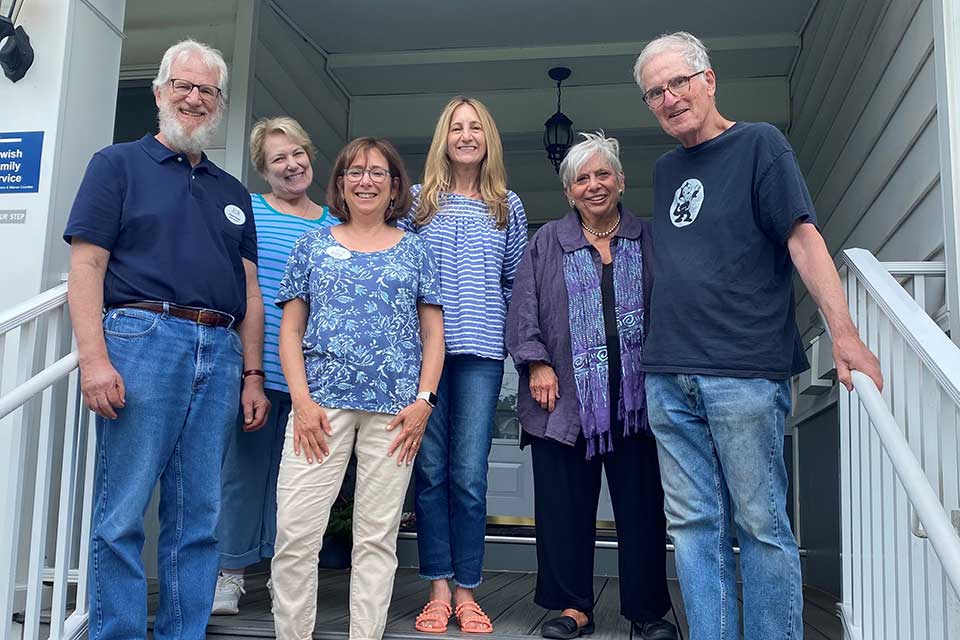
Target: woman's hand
x,y
412,421
310,430
544,386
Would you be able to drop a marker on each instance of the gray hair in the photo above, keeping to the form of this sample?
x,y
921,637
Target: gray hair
x,y
210,57
580,153
687,44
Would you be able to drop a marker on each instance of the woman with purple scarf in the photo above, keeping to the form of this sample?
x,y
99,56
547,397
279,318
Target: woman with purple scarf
x,y
575,331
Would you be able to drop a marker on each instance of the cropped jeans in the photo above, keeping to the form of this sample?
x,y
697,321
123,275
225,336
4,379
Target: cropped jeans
x,y
182,385
720,443
451,471
248,516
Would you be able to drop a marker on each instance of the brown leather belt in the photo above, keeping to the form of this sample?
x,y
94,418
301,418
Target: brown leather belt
x,y
206,317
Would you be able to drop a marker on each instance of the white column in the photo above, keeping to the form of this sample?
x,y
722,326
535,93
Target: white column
x,y
946,29
239,115
70,95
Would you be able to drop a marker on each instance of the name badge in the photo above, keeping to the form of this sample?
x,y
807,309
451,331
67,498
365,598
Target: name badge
x,y
234,214
338,252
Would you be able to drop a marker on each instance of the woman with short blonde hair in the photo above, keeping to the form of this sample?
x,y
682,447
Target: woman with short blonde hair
x,y
281,152
477,231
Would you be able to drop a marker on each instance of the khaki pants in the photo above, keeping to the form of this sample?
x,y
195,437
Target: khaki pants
x,y
305,493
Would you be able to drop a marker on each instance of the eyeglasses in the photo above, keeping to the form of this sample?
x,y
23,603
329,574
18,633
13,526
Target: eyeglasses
x,y
677,86
355,174
184,87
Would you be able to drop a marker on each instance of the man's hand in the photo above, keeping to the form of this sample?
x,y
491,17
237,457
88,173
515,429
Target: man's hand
x,y
254,403
544,386
311,427
849,352
102,388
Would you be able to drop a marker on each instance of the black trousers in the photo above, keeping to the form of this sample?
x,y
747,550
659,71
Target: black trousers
x,y
566,493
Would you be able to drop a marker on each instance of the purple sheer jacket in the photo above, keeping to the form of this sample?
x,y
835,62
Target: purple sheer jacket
x,y
538,327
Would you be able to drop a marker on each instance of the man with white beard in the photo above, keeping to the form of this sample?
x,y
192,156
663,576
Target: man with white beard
x,y
169,324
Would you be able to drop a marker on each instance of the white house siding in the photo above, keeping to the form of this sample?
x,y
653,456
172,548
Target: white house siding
x,y
290,79
864,125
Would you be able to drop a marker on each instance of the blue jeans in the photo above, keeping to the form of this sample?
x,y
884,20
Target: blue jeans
x,y
720,443
182,392
248,514
451,470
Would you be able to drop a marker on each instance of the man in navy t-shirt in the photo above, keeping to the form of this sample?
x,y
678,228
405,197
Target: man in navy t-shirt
x,y
169,324
732,218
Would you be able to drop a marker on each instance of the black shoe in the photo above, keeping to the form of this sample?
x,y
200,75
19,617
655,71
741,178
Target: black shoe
x,y
565,627
657,630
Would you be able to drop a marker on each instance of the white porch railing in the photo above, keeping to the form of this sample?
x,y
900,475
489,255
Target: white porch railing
x,y
46,477
900,462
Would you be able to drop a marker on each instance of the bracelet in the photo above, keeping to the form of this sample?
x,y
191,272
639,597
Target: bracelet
x,y
253,372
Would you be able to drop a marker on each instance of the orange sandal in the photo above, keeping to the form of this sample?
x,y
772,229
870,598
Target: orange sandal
x,y
434,617
480,621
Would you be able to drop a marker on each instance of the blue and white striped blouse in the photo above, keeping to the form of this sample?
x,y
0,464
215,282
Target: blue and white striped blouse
x,y
477,263
276,233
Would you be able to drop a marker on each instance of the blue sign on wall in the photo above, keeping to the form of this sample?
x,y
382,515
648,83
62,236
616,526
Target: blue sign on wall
x,y
20,161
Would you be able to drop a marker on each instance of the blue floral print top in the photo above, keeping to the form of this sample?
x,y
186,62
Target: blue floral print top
x,y
362,345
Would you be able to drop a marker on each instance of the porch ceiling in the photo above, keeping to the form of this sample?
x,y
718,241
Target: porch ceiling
x,y
425,46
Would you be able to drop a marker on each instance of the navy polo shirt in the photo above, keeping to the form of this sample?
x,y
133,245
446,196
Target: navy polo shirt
x,y
175,233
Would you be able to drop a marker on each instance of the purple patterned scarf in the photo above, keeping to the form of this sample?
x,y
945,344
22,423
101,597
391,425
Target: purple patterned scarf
x,y
589,342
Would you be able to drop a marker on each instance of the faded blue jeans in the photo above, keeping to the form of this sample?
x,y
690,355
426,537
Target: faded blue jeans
x,y
451,470
248,516
182,392
720,444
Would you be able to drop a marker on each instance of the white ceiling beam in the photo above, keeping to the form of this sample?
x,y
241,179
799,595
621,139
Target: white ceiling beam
x,y
506,54
609,107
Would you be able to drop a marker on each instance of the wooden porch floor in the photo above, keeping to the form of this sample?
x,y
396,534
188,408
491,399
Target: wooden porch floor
x,y
507,598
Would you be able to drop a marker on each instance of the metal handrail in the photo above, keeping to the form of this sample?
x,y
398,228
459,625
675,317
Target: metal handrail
x,y
936,523
32,308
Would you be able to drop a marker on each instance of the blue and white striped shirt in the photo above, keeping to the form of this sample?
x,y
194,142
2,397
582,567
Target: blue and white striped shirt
x,y
477,263
276,233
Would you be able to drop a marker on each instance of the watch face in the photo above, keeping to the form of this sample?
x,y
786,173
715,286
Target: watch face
x,y
433,399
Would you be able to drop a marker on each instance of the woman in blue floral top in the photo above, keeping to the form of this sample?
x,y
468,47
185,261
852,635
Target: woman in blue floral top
x,y
361,346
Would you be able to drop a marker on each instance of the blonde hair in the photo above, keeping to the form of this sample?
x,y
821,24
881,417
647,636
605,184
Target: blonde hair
x,y
285,125
438,177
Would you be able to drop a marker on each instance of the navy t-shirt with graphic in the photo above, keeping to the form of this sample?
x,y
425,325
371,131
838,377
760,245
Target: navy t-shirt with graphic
x,y
723,301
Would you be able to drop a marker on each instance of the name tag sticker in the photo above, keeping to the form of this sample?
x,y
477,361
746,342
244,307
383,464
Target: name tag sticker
x,y
234,214
338,252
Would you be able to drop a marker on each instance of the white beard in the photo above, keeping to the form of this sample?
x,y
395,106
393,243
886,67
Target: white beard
x,y
178,139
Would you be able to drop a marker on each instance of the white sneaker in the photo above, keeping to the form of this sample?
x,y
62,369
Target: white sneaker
x,y
226,600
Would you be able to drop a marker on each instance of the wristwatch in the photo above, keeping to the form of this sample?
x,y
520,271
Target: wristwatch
x,y
429,397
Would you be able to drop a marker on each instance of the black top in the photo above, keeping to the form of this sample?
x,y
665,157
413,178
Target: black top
x,y
609,301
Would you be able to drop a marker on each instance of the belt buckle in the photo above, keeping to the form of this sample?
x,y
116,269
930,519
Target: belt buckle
x,y
200,320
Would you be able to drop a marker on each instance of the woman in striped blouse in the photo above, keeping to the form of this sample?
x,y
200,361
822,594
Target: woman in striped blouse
x,y
477,231
281,152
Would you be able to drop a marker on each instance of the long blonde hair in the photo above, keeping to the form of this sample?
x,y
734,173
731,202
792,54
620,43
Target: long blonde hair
x,y
438,177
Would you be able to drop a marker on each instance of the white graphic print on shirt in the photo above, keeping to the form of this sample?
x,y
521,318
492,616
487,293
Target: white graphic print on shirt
x,y
686,202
